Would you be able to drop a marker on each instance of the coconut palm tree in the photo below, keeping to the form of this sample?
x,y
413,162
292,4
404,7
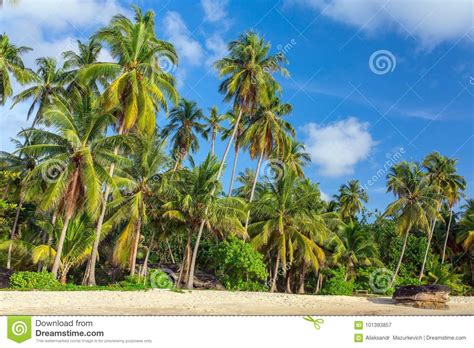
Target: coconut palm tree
x,y
77,247
350,199
282,225
246,180
11,64
185,126
248,72
266,134
75,157
138,183
139,88
415,205
213,126
48,82
294,156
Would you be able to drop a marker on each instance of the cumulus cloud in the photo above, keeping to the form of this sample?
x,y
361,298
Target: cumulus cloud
x,y
431,21
214,10
338,147
217,47
177,32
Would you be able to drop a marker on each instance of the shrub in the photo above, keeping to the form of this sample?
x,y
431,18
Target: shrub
x,y
335,283
239,266
34,280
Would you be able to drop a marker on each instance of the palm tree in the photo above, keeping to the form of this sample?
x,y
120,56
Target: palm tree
x,y
246,180
48,81
74,163
11,64
294,156
248,79
267,134
139,86
350,199
282,224
184,123
77,247
138,183
21,164
88,53
415,205
359,247
213,126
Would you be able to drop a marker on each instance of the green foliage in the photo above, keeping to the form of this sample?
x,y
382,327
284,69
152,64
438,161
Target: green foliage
x,y
239,265
159,280
34,281
336,284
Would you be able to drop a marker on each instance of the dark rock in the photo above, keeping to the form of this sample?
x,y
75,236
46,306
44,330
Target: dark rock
x,y
432,296
5,275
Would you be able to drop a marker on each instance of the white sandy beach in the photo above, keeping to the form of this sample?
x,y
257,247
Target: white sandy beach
x,y
207,302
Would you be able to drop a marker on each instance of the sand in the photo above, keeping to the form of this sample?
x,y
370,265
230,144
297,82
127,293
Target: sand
x,y
207,302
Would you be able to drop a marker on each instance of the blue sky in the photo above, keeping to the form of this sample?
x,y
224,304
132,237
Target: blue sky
x,y
353,115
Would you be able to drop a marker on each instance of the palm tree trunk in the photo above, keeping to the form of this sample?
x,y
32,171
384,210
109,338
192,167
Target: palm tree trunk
x,y
443,255
90,279
147,256
302,276
64,272
59,249
169,250
254,185
5,191
234,166
213,142
401,258
12,232
229,143
288,281
136,240
50,239
430,236
184,269
275,272
190,283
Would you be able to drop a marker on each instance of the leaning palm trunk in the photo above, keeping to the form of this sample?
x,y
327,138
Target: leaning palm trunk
x,y
234,167
275,272
400,260
144,270
12,233
430,236
183,271
133,255
59,249
443,255
89,277
302,278
190,282
254,185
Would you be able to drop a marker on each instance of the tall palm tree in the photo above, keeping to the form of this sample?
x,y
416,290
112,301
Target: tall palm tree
x,y
48,82
139,87
456,186
232,118
350,199
75,156
248,72
213,126
282,224
415,205
185,126
267,134
137,183
11,64
246,179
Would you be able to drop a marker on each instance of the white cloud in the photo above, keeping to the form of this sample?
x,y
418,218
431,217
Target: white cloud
x,y
215,10
431,21
338,147
217,46
324,196
178,33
